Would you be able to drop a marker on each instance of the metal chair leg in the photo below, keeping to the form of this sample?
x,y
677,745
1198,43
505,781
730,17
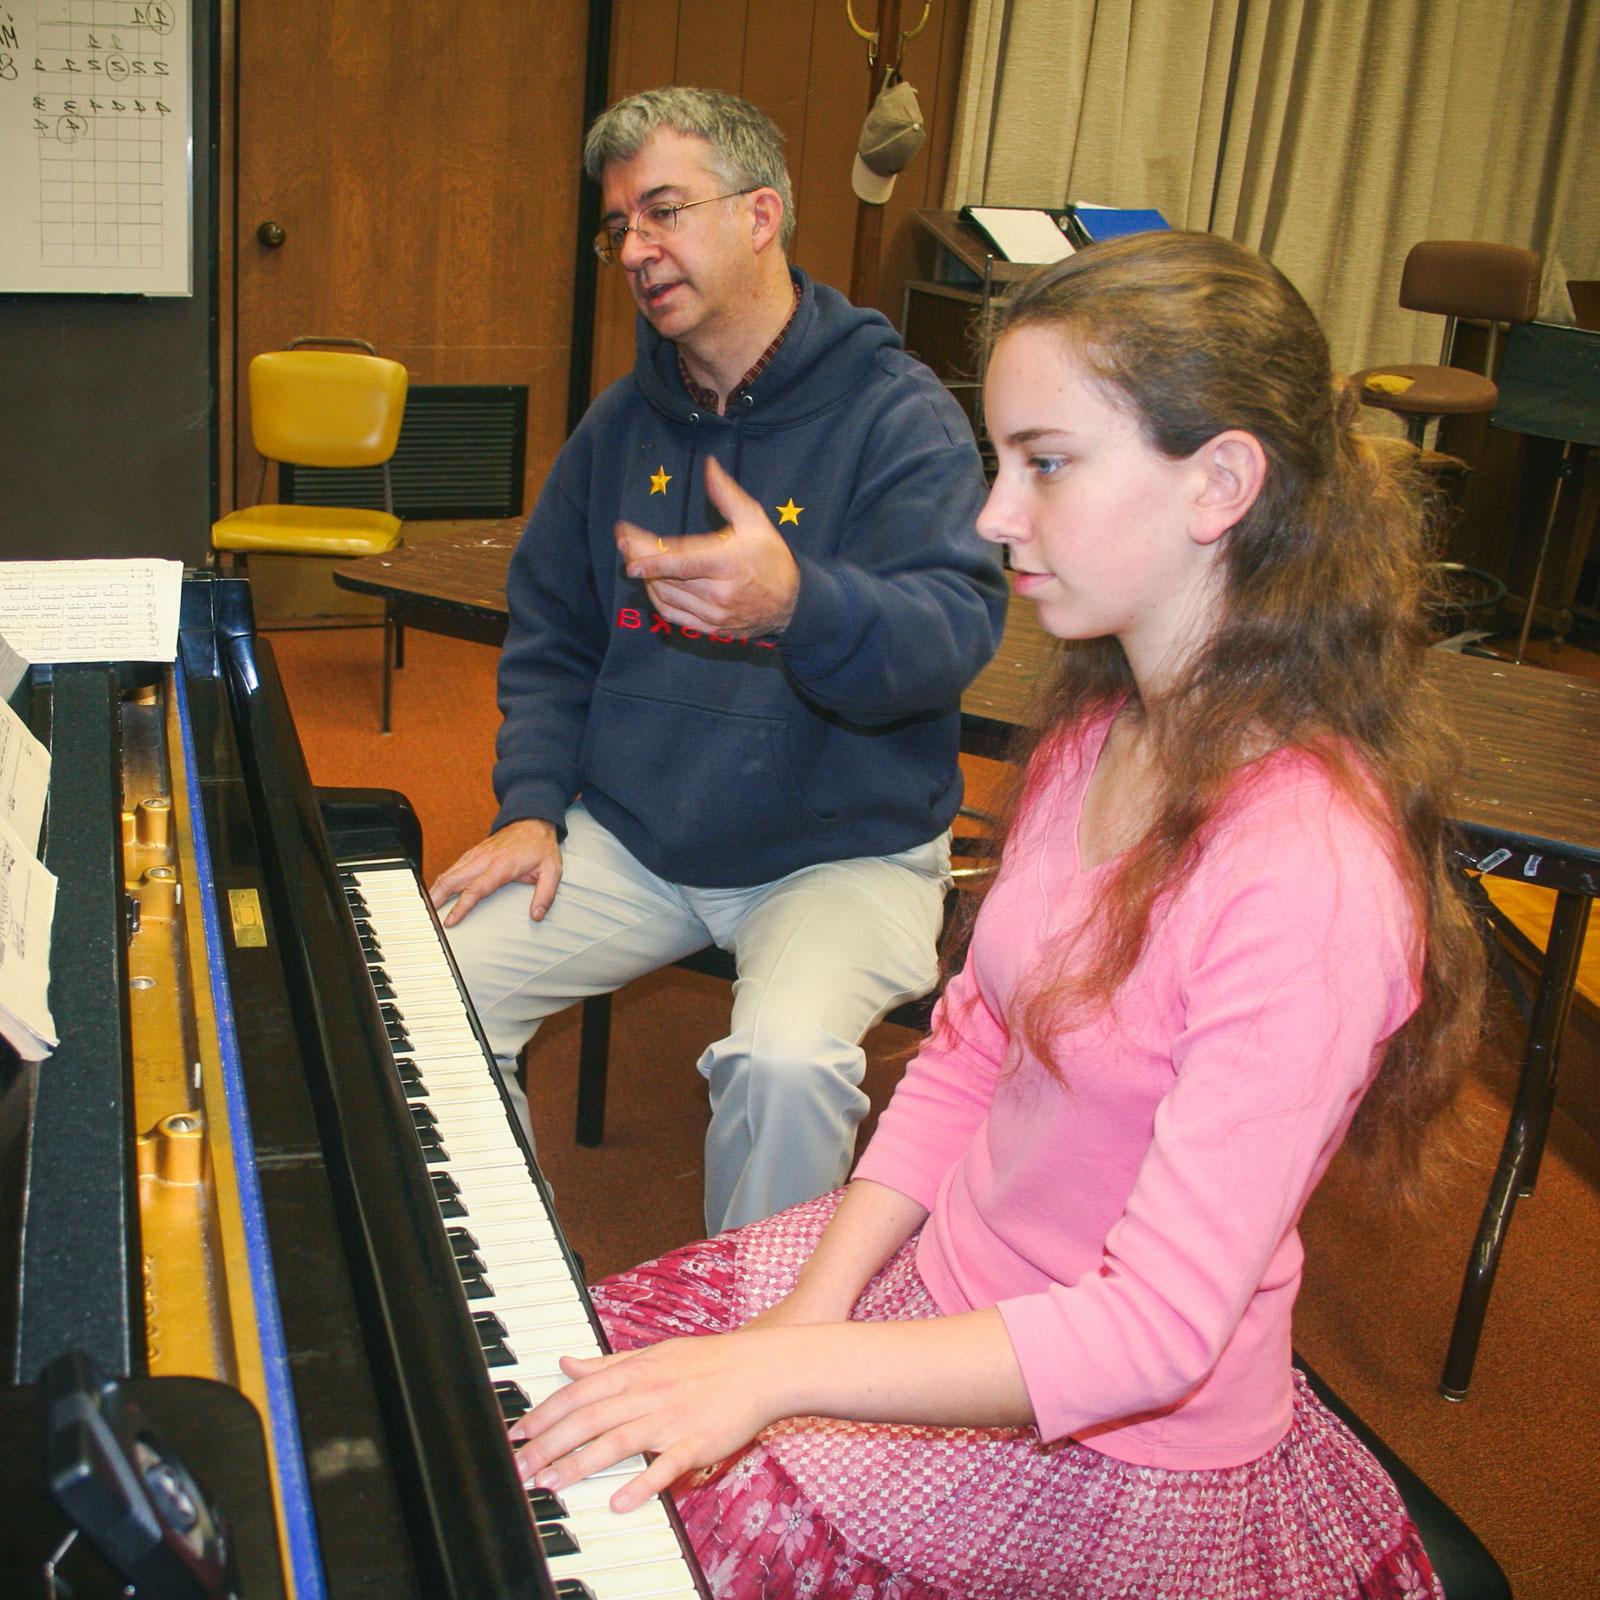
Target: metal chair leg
x,y
389,631
594,1049
1525,1136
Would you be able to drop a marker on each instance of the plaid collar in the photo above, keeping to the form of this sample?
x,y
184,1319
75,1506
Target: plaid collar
x,y
709,398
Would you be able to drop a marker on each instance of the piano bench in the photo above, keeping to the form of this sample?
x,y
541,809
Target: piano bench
x,y
1466,1569
594,1039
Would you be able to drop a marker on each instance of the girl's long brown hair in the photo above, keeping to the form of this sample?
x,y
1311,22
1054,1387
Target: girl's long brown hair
x,y
1319,643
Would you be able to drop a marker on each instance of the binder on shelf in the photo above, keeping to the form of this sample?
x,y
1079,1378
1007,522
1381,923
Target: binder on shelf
x,y
1092,224
1022,234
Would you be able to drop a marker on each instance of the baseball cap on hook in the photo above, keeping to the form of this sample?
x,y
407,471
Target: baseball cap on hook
x,y
890,137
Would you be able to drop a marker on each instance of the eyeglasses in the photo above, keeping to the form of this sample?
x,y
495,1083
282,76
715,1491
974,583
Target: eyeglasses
x,y
651,223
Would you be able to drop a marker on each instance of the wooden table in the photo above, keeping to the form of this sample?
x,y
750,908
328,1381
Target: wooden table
x,y
1527,802
453,584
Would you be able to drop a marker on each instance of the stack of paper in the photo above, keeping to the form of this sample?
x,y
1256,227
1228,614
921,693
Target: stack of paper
x,y
64,611
58,612
27,890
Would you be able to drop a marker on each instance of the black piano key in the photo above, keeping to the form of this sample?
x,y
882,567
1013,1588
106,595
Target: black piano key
x,y
463,1242
447,1195
513,1401
557,1540
423,1117
399,1039
492,1334
474,1277
547,1505
573,1589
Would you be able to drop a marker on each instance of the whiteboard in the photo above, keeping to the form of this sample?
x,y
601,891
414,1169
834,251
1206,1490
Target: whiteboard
x,y
96,130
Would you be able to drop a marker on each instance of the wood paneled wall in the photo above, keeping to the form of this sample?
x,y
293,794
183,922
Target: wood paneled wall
x,y
801,63
425,174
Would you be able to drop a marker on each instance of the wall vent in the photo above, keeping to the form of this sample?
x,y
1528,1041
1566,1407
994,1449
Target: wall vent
x,y
461,454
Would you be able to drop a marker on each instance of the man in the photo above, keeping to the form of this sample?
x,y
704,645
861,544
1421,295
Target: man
x,y
746,735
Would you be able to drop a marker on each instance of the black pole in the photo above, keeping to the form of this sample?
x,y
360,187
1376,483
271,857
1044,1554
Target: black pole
x,y
596,75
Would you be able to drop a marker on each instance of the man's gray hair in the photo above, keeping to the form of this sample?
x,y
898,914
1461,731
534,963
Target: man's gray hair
x,y
746,144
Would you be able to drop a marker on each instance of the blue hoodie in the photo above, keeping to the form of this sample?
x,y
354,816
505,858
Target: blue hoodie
x,y
722,761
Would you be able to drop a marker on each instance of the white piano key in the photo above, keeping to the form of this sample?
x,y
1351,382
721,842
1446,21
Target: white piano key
x,y
543,1310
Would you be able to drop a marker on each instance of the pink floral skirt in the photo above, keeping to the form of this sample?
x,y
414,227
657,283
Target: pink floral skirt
x,y
849,1511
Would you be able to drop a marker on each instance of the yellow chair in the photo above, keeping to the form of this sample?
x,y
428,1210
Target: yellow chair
x,y
319,408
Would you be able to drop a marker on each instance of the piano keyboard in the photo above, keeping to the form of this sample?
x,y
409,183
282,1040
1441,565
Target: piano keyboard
x,y
524,1295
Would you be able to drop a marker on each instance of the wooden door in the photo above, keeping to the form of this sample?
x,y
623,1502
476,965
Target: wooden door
x,y
421,161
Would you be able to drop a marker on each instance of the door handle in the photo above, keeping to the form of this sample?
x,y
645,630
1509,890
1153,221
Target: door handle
x,y
271,234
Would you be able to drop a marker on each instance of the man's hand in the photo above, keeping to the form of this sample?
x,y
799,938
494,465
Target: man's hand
x,y
742,580
521,852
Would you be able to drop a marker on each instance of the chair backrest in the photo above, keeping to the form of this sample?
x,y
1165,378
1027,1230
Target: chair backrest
x,y
1463,278
325,408
1585,296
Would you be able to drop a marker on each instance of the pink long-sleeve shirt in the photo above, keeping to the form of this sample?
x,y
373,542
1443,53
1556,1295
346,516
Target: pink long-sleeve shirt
x,y
1135,1221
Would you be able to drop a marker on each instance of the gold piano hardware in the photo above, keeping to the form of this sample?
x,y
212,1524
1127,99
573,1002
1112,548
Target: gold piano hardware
x,y
181,1204
147,826
158,892
199,1303
174,1151
249,930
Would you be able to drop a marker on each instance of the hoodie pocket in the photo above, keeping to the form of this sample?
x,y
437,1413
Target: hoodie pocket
x,y
691,774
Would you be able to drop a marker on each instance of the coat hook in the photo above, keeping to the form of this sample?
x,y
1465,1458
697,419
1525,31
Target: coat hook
x,y
872,37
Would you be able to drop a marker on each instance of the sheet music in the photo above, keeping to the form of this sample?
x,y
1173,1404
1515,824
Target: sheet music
x,y
24,776
12,667
1021,234
95,119
64,611
27,908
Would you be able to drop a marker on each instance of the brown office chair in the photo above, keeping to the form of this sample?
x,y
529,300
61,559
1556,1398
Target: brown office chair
x,y
1585,296
1454,278
319,408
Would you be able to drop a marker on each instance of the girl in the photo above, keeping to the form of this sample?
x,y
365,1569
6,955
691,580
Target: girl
x,y
1040,1345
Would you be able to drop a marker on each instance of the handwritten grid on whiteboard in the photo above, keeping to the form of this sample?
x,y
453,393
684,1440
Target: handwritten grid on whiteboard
x,y
107,102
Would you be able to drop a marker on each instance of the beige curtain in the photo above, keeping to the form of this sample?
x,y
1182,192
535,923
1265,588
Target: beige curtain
x,y
1330,134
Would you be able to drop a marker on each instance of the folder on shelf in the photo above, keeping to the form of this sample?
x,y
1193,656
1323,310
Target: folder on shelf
x,y
1021,233
1092,224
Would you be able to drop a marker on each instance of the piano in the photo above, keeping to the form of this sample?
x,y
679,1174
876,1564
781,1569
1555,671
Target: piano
x,y
268,1188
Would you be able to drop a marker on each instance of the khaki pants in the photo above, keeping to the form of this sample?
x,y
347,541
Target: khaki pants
x,y
822,955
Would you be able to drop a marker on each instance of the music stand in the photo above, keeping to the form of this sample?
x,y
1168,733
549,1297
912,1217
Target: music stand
x,y
1549,383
